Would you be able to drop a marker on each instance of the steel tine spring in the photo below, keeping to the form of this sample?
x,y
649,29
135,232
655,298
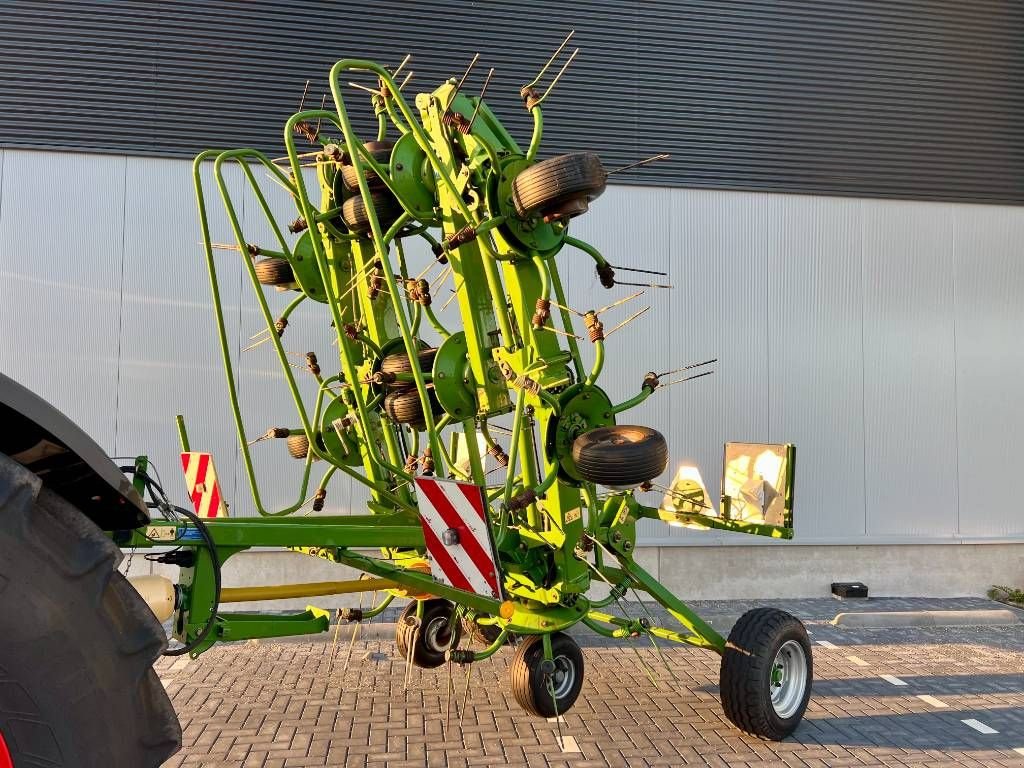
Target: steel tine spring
x,y
645,285
462,80
480,99
626,322
638,163
302,101
687,378
568,309
408,77
619,303
256,344
365,88
689,367
551,60
401,66
557,78
559,331
637,269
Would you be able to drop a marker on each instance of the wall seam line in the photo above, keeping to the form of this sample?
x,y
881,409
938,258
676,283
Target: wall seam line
x,y
863,364
956,370
120,303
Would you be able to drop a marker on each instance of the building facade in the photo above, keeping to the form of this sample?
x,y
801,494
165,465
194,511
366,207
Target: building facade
x,y
840,219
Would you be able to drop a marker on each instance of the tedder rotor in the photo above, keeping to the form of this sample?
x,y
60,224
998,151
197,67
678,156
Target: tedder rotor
x,y
413,410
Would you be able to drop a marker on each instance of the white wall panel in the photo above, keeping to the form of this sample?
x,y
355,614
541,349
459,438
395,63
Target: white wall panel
x,y
909,385
60,261
883,338
170,353
989,367
815,357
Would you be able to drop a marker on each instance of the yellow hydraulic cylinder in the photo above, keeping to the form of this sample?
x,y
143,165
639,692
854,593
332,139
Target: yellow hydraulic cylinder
x,y
313,589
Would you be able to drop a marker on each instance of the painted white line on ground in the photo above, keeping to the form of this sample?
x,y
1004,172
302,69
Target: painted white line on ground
x,y
892,679
558,719
1019,750
826,644
979,726
569,745
857,660
933,701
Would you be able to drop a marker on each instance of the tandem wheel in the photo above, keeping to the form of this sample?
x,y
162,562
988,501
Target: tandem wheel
x,y
547,688
434,638
766,674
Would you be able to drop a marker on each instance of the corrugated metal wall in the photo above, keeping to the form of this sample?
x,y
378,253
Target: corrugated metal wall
x,y
882,337
907,98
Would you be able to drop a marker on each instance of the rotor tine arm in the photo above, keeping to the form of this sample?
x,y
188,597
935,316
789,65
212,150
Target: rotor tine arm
x,y
558,77
689,367
688,378
550,61
618,303
626,322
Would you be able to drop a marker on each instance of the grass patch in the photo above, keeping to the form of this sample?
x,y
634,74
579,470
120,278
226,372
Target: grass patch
x,y
1007,595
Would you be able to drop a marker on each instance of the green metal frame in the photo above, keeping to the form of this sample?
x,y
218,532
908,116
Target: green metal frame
x,y
553,532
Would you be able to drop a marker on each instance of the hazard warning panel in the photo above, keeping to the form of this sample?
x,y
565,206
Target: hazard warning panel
x,y
202,484
458,536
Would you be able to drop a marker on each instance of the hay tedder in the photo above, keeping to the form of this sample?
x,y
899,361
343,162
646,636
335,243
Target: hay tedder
x,y
414,411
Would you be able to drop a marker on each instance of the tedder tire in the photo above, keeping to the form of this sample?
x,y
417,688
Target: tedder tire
x,y
399,363
530,678
405,407
621,456
435,635
766,674
77,686
559,188
274,272
353,211
381,152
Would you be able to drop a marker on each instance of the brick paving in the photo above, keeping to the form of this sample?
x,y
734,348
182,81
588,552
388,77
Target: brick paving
x,y
297,703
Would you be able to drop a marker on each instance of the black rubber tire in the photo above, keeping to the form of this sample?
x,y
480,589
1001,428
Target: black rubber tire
x,y
529,683
274,272
562,187
77,685
381,152
353,211
399,363
298,447
434,637
405,407
622,456
745,677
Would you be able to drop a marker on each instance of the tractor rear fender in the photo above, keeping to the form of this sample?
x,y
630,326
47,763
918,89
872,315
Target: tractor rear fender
x,y
68,461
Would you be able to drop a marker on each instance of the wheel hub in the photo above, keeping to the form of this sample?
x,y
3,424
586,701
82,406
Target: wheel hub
x,y
788,679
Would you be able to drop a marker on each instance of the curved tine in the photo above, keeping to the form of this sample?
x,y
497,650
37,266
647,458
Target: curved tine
x,y
550,61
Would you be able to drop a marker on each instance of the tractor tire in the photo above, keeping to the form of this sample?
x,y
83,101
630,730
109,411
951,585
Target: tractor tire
x,y
766,674
77,685
274,272
399,363
405,407
381,152
435,636
559,188
530,680
298,447
353,211
620,457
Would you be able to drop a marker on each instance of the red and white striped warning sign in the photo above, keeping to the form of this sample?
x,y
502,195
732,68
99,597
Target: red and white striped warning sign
x,y
458,536
201,481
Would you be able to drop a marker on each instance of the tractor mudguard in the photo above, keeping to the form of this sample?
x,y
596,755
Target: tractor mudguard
x,y
68,461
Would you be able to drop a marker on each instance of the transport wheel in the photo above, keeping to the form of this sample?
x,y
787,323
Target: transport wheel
x,y
77,686
547,688
274,272
405,407
766,674
559,188
399,363
621,456
298,447
435,633
353,210
381,152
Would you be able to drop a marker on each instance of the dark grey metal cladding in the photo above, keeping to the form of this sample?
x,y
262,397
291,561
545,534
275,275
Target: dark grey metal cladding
x,y
908,98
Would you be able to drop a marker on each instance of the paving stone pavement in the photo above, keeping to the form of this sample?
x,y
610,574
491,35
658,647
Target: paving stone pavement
x,y
317,703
